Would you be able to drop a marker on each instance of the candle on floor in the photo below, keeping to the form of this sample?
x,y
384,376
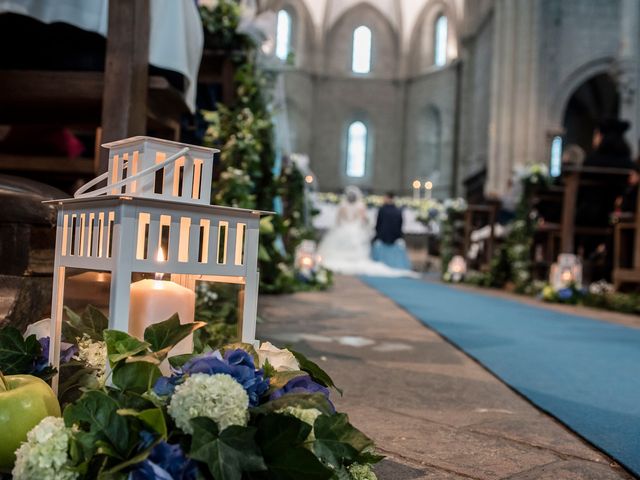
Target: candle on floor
x,y
153,301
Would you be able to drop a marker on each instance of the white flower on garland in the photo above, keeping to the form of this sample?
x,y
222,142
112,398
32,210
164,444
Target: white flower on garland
x,y
307,415
44,455
361,472
94,354
218,397
280,359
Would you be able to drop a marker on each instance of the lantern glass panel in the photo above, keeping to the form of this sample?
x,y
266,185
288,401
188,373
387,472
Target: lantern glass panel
x,y
85,288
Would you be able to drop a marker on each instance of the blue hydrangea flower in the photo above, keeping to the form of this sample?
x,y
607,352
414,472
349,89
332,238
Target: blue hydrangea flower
x,y
43,360
565,293
165,462
302,384
236,363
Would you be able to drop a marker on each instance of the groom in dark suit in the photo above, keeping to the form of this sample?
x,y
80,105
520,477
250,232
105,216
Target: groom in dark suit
x,y
389,222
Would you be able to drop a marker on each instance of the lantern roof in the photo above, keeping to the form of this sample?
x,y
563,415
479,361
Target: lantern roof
x,y
161,141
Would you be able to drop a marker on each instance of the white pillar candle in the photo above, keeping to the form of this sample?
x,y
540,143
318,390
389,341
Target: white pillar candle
x,y
153,301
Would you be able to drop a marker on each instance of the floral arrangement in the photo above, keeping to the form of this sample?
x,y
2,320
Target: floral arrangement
x,y
571,294
451,226
423,204
228,414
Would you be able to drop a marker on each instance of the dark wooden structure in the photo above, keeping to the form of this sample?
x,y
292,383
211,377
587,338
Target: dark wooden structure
x,y
121,101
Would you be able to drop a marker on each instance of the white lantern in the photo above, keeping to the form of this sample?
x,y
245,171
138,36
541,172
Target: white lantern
x,y
153,222
457,268
307,258
566,272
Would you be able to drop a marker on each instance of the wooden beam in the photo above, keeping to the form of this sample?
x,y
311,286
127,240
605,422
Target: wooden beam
x,y
569,201
124,101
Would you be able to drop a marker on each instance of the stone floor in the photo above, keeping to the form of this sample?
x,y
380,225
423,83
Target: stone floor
x,y
434,412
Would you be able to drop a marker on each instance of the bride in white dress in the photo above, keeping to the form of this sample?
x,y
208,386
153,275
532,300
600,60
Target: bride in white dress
x,y
346,247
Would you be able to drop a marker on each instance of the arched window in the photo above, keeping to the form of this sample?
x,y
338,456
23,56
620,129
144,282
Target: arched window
x,y
361,56
356,149
283,35
440,41
555,167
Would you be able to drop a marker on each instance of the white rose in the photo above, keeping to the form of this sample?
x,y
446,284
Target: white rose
x,y
280,359
40,329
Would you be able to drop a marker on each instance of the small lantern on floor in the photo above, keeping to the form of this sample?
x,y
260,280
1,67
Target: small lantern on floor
x,y
307,259
150,235
457,268
566,272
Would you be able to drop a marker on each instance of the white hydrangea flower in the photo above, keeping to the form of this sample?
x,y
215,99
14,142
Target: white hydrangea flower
x,y
361,472
218,397
94,354
44,456
280,359
307,415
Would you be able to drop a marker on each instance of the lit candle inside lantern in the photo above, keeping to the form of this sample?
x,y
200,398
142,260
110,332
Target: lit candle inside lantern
x,y
566,276
153,301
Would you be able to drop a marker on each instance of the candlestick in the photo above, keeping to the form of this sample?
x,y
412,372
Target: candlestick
x,y
416,189
153,301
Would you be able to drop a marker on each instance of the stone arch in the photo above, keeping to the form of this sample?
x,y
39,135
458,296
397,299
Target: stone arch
x,y
559,101
421,45
385,42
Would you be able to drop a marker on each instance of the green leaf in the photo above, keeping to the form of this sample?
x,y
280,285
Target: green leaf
x,y
281,439
137,377
179,360
301,400
17,354
337,440
92,322
121,345
227,454
96,412
152,417
317,373
166,334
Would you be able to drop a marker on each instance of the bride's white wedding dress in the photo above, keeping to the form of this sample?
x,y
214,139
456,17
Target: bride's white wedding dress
x,y
346,247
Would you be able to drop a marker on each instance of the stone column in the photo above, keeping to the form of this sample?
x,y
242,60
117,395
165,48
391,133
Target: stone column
x,y
514,136
628,69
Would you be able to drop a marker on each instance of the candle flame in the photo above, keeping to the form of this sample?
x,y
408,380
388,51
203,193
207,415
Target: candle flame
x,y
160,258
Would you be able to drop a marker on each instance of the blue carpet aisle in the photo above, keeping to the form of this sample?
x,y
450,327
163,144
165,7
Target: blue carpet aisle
x,y
584,372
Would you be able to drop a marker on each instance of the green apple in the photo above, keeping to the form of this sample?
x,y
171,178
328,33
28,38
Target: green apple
x,y
24,401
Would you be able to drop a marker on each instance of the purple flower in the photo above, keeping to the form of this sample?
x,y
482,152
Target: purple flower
x,y
165,462
236,363
43,360
302,384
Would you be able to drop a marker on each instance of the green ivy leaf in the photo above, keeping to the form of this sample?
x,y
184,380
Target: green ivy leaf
x,y
96,412
178,361
17,354
228,453
137,377
92,322
152,417
166,334
121,345
337,441
281,439
301,400
317,373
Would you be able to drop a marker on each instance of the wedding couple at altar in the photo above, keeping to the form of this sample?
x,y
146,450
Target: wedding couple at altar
x,y
353,247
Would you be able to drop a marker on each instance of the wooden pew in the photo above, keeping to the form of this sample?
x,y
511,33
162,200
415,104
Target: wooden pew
x,y
573,180
120,102
627,273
